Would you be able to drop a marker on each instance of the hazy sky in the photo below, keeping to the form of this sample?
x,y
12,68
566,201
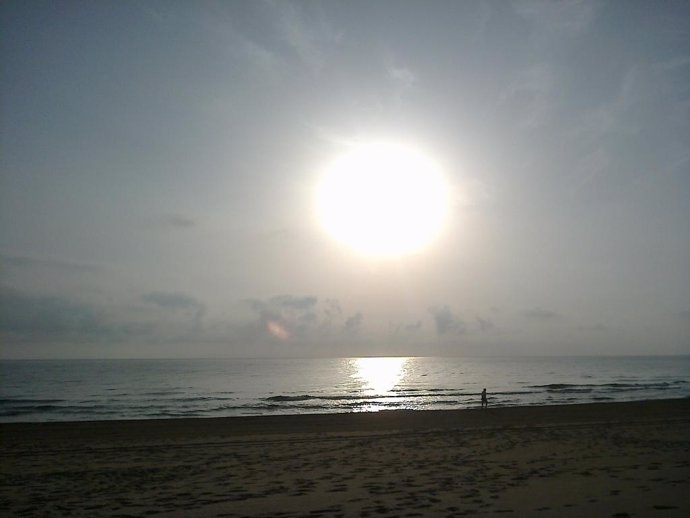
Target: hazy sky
x,y
159,162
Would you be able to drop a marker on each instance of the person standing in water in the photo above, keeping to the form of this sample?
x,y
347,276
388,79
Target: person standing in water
x,y
485,401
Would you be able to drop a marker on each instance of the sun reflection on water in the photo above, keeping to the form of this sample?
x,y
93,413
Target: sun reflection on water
x,y
379,375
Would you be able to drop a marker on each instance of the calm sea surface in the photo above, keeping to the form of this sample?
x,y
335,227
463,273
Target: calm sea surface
x,y
133,389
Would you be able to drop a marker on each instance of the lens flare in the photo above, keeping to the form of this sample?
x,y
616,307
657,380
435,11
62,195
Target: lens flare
x,y
277,330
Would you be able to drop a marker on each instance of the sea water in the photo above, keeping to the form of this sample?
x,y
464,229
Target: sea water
x,y
71,390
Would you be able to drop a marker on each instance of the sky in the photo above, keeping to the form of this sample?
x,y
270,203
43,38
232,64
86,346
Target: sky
x,y
160,161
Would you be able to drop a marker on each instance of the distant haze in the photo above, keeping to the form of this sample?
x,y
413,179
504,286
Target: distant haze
x,y
159,161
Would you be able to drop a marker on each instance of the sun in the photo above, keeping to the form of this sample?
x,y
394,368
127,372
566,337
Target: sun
x,y
383,199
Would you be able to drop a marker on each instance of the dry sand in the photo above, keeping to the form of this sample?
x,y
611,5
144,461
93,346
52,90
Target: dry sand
x,y
608,459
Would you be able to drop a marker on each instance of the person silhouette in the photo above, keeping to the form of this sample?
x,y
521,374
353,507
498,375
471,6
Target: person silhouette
x,y
485,401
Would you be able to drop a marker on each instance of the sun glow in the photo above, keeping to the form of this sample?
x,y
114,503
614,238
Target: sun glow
x,y
379,375
383,200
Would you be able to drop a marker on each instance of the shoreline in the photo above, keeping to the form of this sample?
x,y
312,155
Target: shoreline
x,y
383,420
605,459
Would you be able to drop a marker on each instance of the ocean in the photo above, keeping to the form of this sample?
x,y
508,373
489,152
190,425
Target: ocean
x,y
77,390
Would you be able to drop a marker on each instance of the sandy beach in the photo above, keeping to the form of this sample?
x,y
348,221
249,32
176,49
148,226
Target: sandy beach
x,y
607,459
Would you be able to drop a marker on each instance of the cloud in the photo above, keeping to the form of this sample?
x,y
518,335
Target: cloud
x,y
25,314
332,310
163,318
354,323
597,327
403,81
304,303
26,317
261,59
410,328
648,114
285,316
274,37
557,18
674,64
175,301
447,322
16,261
402,75
406,331
305,30
179,221
529,98
300,318
472,192
541,314
170,300
485,324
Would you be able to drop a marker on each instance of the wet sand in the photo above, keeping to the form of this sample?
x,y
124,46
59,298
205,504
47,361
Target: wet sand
x,y
606,459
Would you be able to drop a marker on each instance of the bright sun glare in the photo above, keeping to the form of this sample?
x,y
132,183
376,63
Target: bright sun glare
x,y
380,375
383,200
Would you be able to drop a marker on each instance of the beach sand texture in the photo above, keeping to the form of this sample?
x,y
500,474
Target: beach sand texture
x,y
608,459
